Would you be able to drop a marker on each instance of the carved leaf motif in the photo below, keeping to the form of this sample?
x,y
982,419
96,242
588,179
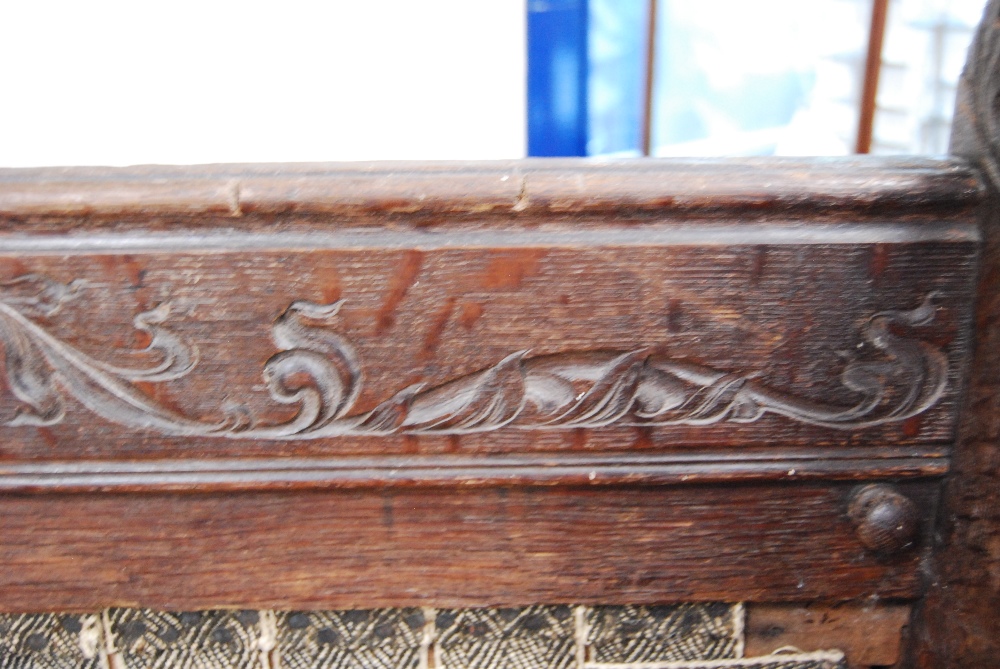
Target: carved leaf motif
x,y
319,372
339,378
609,398
911,379
725,398
106,394
178,357
37,295
479,402
30,381
102,388
389,416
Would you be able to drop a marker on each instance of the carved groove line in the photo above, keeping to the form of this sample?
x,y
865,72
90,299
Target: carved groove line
x,y
319,371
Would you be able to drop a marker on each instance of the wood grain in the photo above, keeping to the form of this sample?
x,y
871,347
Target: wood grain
x,y
784,317
869,635
480,547
337,386
450,195
960,621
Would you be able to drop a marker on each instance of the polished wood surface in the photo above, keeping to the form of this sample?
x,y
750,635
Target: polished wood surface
x,y
769,327
447,548
483,384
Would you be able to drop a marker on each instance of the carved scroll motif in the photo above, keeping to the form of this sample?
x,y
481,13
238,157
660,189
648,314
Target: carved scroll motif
x,y
319,371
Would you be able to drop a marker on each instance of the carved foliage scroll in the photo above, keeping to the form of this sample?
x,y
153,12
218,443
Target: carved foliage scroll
x,y
319,371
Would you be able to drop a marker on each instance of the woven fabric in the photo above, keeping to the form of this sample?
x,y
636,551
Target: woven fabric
x,y
506,638
191,640
362,639
626,634
804,661
686,636
45,642
789,660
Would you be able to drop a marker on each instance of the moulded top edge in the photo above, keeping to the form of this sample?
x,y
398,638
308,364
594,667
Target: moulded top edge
x,y
440,192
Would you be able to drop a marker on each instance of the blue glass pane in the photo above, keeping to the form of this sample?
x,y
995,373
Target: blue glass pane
x,y
557,77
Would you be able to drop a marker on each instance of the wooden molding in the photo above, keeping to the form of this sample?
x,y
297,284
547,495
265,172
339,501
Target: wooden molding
x,y
338,386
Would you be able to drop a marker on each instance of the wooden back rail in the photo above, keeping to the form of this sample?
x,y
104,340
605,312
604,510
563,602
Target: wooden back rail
x,y
482,384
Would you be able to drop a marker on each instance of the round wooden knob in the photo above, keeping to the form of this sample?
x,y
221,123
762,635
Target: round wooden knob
x,y
885,520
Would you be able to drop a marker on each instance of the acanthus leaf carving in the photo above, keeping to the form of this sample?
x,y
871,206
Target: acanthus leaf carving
x,y
319,371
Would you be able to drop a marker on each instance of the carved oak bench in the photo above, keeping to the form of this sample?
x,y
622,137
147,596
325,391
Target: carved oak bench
x,y
507,384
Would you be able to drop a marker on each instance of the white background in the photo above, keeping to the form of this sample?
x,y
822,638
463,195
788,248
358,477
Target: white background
x,y
98,82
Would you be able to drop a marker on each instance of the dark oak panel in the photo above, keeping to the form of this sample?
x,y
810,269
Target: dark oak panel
x,y
870,636
337,386
675,337
516,383
446,548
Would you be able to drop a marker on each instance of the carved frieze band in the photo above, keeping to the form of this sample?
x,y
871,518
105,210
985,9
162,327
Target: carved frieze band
x,y
319,371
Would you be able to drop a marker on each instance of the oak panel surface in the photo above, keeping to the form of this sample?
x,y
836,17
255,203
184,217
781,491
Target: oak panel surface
x,y
448,548
790,316
747,289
